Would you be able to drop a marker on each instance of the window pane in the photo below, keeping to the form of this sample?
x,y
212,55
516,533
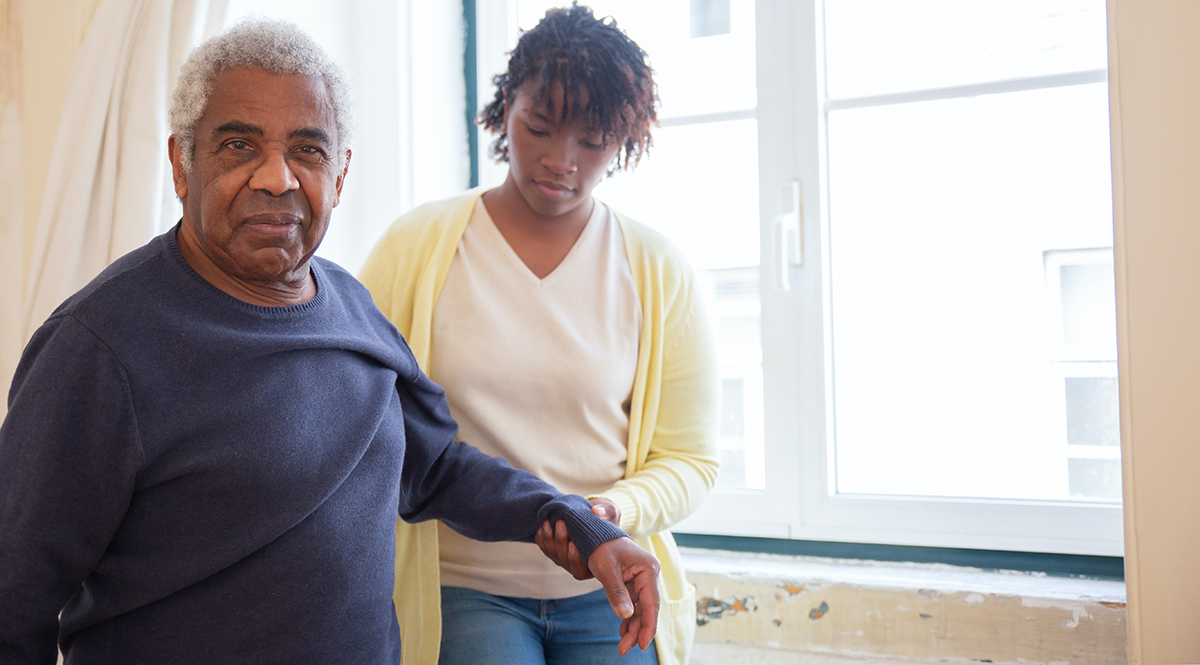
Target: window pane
x,y
733,295
711,72
717,230
1095,479
881,46
946,379
1089,306
1093,411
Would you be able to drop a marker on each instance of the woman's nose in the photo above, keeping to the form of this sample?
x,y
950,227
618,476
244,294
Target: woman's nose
x,y
560,158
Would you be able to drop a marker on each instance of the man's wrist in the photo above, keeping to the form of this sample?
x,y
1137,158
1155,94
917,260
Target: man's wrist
x,y
588,531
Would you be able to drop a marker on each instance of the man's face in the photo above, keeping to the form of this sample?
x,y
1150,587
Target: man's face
x,y
265,177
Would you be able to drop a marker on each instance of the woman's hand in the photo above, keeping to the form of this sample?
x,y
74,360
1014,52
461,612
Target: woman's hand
x,y
558,547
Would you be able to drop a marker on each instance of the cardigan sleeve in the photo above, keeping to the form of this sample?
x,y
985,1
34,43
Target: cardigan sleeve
x,y
681,462
381,271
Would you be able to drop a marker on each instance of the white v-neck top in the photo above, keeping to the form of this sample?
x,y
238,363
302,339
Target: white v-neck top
x,y
539,372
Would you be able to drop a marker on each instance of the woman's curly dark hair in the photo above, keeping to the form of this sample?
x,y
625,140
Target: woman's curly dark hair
x,y
587,56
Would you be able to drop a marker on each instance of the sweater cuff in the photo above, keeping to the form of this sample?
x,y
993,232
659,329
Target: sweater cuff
x,y
588,531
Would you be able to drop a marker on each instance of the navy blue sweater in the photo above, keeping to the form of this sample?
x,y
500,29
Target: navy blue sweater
x,y
189,478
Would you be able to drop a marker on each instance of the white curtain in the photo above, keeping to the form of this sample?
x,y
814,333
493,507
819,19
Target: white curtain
x,y
109,187
12,244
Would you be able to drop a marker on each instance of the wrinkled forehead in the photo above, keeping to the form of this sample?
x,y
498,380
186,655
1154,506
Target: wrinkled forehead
x,y
250,94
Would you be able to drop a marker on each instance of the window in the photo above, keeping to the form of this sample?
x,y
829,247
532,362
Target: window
x,y
901,211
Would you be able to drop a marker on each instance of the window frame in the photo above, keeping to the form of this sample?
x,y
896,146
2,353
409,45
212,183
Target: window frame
x,y
799,501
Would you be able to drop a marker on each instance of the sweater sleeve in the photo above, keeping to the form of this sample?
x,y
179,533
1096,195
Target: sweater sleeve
x,y
480,496
69,453
681,462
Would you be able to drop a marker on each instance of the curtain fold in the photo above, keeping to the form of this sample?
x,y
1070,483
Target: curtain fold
x,y
109,187
12,218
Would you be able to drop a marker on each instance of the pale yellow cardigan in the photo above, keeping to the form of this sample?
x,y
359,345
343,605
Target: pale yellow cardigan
x,y
672,462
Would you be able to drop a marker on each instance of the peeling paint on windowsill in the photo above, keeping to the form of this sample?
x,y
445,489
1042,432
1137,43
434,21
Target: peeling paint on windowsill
x,y
910,612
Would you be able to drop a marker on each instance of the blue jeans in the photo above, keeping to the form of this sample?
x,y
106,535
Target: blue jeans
x,y
481,628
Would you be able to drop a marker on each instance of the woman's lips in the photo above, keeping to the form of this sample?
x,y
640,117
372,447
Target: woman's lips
x,y
552,191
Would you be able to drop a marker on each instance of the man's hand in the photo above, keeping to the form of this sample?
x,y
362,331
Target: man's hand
x,y
630,578
557,546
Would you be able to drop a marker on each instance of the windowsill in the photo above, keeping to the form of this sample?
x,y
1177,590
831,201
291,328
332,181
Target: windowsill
x,y
794,604
877,574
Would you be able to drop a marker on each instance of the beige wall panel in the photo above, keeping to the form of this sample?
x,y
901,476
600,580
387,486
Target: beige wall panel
x,y
12,222
1155,94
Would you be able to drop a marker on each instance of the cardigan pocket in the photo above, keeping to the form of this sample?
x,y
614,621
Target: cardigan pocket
x,y
676,628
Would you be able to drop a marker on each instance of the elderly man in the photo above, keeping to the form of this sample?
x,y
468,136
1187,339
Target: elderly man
x,y
207,447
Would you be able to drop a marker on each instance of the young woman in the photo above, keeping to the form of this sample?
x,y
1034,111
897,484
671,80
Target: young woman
x,y
572,341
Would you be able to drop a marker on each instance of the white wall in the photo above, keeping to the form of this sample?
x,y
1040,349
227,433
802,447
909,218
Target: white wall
x,y
1154,62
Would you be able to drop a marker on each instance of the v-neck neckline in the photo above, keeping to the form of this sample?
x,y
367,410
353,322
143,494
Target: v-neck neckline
x,y
585,237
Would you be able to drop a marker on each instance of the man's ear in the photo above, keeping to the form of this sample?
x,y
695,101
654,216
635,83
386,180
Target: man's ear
x,y
341,179
175,154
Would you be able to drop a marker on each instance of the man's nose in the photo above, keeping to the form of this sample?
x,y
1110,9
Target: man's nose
x,y
560,158
273,175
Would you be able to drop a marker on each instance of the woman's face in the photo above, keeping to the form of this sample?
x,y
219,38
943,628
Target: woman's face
x,y
554,163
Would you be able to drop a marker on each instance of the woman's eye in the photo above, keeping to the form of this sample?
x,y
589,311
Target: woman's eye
x,y
537,132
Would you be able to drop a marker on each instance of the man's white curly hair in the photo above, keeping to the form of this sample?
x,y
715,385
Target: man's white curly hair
x,y
276,46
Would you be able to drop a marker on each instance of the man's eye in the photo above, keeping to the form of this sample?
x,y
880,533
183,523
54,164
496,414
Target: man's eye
x,y
238,145
310,152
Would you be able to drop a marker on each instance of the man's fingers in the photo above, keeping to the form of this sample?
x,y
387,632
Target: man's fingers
x,y
645,587
628,634
647,629
629,574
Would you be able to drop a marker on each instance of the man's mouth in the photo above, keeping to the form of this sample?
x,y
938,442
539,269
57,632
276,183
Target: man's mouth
x,y
279,224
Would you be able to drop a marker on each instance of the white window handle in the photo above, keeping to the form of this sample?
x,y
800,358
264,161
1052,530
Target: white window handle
x,y
788,237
